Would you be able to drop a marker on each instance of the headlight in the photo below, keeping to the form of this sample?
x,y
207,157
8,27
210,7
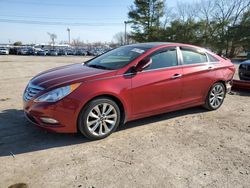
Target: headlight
x,y
57,94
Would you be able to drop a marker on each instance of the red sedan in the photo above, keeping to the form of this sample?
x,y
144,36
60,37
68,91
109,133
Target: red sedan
x,y
125,84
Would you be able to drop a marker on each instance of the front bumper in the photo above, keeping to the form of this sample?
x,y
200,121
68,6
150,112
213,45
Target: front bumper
x,y
62,111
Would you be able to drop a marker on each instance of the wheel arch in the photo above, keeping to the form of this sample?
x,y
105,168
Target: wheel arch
x,y
221,81
111,97
209,88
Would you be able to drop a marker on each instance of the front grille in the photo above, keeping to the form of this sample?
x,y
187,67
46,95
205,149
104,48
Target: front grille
x,y
31,91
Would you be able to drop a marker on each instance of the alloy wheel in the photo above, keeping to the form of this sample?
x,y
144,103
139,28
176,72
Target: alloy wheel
x,y
101,119
216,96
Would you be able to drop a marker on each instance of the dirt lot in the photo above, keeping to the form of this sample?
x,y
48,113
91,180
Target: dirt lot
x,y
188,148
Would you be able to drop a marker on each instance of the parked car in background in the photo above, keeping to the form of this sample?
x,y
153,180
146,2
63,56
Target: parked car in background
x,y
22,51
25,51
244,70
62,52
71,52
125,84
13,51
4,51
42,52
92,52
81,52
53,52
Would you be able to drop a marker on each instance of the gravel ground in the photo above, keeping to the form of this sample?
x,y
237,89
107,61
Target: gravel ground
x,y
188,148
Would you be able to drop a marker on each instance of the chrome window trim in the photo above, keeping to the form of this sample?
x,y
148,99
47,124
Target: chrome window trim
x,y
159,69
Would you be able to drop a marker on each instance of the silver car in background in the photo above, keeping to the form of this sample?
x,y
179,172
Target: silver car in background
x,y
4,51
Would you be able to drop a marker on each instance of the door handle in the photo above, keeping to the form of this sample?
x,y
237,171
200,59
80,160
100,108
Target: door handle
x,y
176,76
210,68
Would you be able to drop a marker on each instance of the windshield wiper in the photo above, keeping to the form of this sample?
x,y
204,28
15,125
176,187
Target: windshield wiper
x,y
99,67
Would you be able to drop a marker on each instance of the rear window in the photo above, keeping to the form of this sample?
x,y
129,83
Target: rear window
x,y
212,58
193,57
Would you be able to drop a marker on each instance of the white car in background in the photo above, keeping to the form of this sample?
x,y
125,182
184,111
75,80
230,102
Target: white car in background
x,y
4,51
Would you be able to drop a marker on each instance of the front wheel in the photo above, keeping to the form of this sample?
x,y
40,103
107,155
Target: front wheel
x,y
99,118
215,97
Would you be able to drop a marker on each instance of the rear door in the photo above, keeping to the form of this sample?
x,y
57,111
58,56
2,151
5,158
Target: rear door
x,y
198,74
159,86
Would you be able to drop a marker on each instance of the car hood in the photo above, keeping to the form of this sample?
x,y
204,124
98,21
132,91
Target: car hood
x,y
69,74
246,62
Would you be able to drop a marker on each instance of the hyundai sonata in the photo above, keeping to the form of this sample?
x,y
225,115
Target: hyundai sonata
x,y
125,84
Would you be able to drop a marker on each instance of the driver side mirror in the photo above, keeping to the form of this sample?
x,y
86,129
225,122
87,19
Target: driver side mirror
x,y
143,64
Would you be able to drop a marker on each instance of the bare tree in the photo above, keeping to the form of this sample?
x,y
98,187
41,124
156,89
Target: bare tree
x,y
77,42
169,16
186,11
52,36
119,38
227,14
205,13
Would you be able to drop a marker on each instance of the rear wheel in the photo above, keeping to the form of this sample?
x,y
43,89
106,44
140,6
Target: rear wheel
x,y
99,118
215,97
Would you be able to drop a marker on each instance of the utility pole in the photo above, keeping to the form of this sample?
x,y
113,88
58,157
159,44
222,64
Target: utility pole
x,y
125,33
68,29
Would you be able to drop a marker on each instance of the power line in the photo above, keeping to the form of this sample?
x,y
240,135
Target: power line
x,y
82,5
58,23
55,18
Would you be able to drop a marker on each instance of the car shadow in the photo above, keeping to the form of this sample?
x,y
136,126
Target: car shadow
x,y
161,117
17,135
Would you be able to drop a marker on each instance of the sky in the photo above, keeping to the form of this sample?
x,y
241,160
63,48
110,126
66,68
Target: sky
x,y
29,21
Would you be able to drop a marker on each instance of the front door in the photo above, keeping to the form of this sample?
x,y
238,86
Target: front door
x,y
159,86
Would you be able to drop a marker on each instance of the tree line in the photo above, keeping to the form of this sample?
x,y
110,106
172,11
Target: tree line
x,y
220,25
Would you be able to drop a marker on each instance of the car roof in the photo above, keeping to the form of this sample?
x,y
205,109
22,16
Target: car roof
x,y
150,44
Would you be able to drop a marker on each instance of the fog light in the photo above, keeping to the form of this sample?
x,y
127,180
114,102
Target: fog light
x,y
49,120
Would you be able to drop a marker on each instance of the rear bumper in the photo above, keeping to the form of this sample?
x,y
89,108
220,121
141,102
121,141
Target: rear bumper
x,y
229,86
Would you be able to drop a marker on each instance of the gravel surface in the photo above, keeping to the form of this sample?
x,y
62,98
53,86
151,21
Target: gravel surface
x,y
187,148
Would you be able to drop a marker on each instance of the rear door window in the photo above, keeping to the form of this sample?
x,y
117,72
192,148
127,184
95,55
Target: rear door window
x,y
193,56
212,58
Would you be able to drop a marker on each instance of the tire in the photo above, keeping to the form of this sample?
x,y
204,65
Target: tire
x,y
99,118
215,97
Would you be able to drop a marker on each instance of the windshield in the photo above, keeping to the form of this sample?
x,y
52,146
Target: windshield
x,y
117,58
